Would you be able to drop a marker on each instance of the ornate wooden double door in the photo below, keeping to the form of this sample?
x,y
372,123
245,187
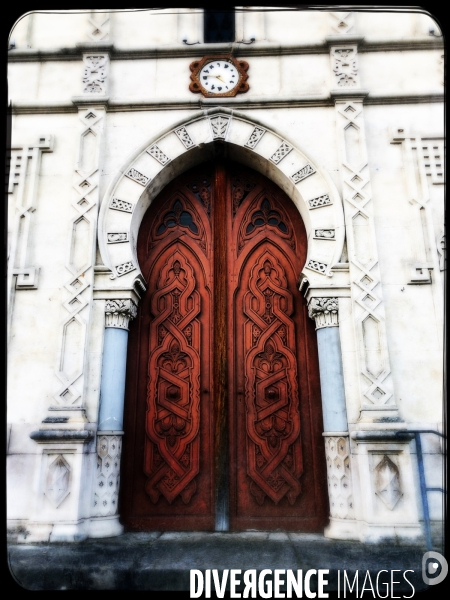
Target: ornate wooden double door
x,y
223,423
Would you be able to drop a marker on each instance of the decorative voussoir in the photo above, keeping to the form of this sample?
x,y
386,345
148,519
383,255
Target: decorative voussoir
x,y
119,312
325,312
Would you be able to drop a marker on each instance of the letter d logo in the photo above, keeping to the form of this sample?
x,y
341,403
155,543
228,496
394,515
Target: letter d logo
x,y
434,568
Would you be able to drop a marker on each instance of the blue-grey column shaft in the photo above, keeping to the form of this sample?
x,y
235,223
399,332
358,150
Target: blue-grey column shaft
x,y
325,313
112,388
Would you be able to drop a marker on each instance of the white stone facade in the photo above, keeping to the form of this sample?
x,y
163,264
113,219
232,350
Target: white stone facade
x,y
345,114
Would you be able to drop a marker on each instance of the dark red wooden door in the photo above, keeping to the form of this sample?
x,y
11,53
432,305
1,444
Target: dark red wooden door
x,y
223,415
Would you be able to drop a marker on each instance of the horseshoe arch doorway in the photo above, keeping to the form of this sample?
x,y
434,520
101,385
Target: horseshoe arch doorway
x,y
223,420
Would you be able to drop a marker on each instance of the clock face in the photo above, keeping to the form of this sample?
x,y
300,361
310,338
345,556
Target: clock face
x,y
215,76
219,77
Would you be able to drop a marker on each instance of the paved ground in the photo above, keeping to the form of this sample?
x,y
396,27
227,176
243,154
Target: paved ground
x,y
154,561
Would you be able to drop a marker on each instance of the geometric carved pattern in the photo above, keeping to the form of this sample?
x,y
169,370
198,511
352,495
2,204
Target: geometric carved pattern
x,y
282,151
138,177
255,136
80,261
315,265
375,379
158,154
123,269
324,200
107,481
342,22
172,444
99,26
57,483
95,73
423,159
274,457
24,165
387,482
337,453
117,204
184,137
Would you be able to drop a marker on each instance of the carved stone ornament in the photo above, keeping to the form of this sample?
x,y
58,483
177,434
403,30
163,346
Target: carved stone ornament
x,y
325,312
119,312
345,67
95,70
57,483
337,452
387,482
184,137
219,76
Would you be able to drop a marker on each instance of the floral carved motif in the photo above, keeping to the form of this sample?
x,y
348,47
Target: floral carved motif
x,y
303,173
219,127
325,312
95,68
274,460
172,446
119,312
117,238
345,66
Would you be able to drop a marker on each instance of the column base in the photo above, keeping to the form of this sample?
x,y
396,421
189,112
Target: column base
x,y
101,527
400,533
342,529
34,532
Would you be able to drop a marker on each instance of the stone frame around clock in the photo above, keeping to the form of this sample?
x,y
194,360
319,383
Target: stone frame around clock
x,y
197,65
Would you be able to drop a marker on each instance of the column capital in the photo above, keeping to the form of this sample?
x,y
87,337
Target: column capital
x,y
325,312
119,312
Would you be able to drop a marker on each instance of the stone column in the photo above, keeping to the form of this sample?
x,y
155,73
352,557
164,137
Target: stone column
x,y
325,312
105,521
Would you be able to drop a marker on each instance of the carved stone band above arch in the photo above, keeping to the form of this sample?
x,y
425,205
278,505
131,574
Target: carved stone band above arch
x,y
325,312
190,142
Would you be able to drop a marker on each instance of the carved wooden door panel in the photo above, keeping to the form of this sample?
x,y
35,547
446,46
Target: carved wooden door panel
x,y
223,414
277,465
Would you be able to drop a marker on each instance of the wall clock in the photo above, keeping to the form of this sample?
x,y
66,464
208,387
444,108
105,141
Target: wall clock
x,y
217,76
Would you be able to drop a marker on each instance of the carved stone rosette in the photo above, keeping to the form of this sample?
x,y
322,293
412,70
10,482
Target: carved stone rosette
x,y
325,312
337,452
119,312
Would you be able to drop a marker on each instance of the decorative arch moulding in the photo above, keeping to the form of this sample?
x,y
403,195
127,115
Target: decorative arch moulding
x,y
188,143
